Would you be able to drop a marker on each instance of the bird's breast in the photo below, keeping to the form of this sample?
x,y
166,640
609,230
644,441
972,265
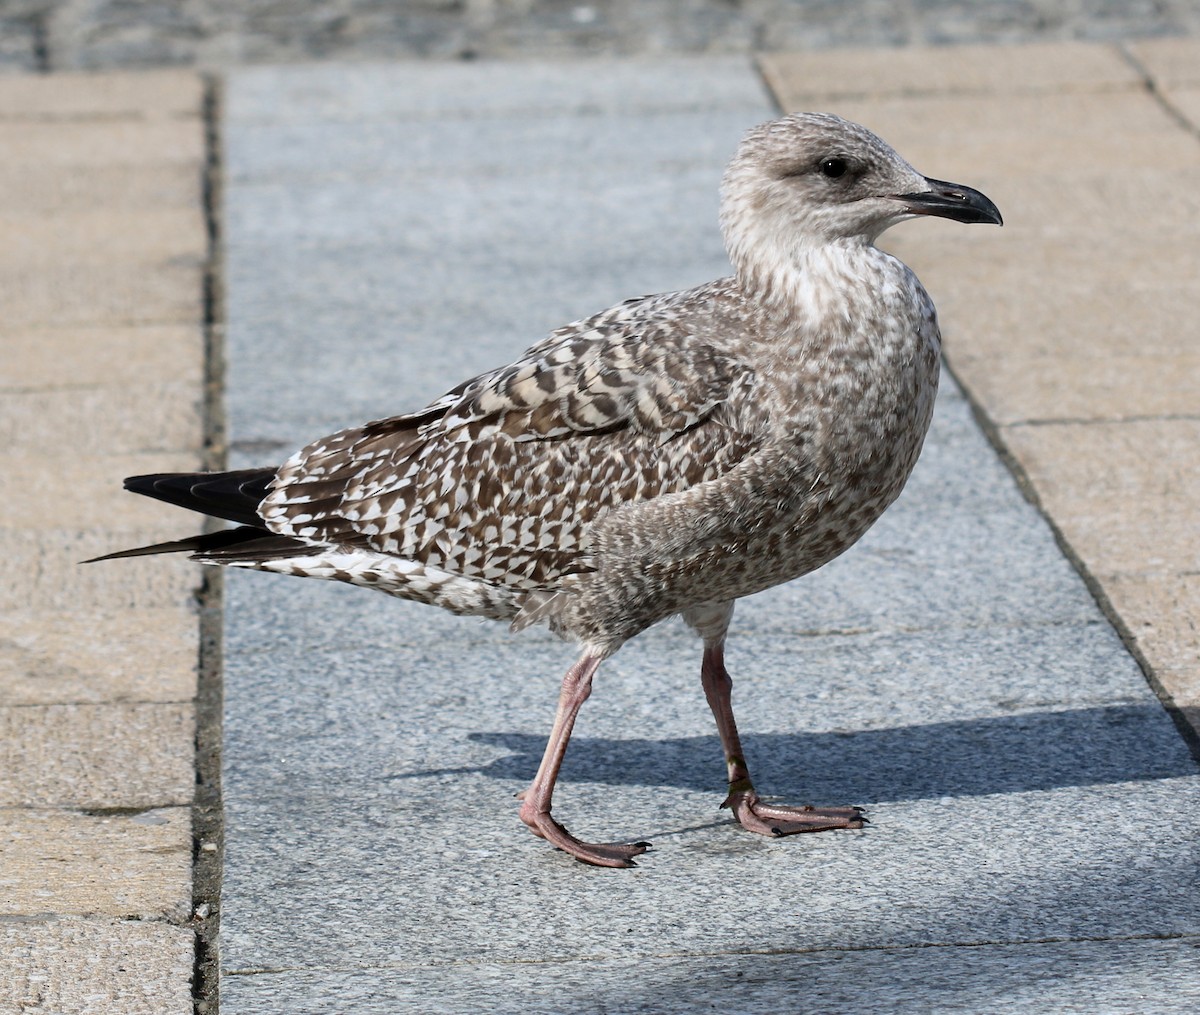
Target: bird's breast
x,y
853,400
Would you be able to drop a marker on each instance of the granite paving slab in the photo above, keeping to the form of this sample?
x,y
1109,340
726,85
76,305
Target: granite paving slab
x,y
1083,977
1033,809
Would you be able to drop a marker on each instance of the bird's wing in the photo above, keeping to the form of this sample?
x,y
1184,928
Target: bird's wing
x,y
501,478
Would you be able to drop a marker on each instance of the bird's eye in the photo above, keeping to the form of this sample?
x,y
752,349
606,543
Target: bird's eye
x,y
833,167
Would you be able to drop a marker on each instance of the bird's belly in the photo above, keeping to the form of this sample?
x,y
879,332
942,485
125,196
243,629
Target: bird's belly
x,y
858,478
606,611
815,538
860,470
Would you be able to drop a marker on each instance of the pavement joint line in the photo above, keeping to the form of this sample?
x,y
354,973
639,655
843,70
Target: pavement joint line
x,y
1150,84
1169,417
993,432
208,837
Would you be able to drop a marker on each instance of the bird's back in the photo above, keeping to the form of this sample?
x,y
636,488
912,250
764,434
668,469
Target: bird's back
x,y
671,450
492,492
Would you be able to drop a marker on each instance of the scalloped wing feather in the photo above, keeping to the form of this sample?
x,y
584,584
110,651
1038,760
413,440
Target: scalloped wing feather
x,y
501,478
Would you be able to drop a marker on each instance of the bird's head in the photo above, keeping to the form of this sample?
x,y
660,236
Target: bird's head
x,y
814,179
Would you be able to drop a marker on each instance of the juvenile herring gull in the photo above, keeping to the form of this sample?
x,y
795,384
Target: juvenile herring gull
x,y
666,456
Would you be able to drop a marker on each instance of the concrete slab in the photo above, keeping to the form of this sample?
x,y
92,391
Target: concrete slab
x,y
378,92
28,472
95,235
1161,614
53,579
64,964
102,420
100,195
134,865
958,70
135,291
1116,387
47,358
104,143
1187,101
97,757
944,131
99,654
82,188
1134,204
1150,461
951,673
311,195
1171,62
150,95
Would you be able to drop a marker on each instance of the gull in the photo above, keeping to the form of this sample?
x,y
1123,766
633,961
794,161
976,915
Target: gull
x,y
664,457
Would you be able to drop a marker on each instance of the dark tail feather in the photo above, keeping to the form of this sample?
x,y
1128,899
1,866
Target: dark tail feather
x,y
234,496
261,550
207,543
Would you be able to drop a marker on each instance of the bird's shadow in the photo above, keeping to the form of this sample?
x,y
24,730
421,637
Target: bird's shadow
x,y
972,757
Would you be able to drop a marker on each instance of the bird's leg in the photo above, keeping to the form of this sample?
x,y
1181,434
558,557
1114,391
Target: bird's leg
x,y
752,813
535,805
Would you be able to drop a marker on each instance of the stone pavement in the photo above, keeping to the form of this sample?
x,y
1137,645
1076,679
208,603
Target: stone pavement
x,y
57,35
389,228
101,375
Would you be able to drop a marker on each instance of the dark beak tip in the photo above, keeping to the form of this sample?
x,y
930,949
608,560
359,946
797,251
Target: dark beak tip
x,y
991,217
953,201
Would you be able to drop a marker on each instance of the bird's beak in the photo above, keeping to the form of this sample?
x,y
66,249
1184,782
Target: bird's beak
x,y
952,201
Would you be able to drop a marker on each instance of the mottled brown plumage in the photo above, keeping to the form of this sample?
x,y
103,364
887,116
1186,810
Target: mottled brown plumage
x,y
669,455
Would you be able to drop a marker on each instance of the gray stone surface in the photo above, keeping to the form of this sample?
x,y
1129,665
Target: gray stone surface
x,y
1033,810
66,34
1084,977
368,236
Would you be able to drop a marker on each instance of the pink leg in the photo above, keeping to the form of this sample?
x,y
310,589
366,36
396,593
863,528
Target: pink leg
x,y
535,805
752,813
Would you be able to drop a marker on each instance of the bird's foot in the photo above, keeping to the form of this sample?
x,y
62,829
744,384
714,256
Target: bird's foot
x,y
776,820
599,854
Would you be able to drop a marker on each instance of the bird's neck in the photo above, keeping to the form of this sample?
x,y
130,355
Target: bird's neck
x,y
815,285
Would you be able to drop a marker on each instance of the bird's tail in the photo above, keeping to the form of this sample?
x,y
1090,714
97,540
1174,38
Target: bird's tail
x,y
233,496
200,547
